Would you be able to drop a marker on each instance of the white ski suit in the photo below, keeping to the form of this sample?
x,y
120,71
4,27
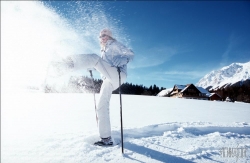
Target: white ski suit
x,y
114,55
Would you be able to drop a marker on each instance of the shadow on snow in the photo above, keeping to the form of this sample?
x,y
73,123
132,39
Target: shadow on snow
x,y
153,154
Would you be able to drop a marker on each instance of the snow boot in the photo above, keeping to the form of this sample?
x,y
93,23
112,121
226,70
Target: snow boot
x,y
104,142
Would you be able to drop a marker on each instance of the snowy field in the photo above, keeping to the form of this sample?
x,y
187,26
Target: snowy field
x,y
61,128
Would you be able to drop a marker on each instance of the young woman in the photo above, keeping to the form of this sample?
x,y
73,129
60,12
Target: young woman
x,y
113,55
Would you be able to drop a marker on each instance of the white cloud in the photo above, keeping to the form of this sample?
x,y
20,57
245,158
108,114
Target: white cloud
x,y
233,42
153,57
185,74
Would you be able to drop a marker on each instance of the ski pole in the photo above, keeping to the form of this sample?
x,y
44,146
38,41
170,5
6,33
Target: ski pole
x,y
93,86
119,72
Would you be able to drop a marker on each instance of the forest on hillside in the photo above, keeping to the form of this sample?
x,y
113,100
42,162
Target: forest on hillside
x,y
237,92
84,84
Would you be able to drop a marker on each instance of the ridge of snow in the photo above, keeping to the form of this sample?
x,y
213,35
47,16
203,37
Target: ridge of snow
x,y
226,76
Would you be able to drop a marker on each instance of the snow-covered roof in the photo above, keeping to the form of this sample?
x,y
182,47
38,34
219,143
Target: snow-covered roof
x,y
202,90
211,94
164,92
173,93
180,86
184,88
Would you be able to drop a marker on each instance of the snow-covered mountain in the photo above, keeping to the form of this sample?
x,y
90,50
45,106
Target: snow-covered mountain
x,y
226,76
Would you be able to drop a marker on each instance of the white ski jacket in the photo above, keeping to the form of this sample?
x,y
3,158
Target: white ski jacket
x,y
114,50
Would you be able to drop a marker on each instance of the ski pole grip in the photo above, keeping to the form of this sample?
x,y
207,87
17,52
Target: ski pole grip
x,y
119,70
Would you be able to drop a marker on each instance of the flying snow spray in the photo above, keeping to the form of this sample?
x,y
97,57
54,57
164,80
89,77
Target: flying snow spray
x,y
34,33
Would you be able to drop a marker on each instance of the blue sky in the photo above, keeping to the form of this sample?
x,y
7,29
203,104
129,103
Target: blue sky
x,y
178,42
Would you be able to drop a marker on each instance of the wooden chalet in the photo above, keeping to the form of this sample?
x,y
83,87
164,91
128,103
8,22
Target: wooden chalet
x,y
189,91
176,90
215,97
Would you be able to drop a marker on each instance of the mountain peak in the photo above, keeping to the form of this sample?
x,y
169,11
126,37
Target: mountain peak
x,y
226,76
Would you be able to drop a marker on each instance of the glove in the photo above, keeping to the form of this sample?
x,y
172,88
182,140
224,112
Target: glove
x,y
119,61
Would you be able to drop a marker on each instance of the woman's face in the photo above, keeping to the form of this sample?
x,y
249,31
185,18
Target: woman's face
x,y
104,38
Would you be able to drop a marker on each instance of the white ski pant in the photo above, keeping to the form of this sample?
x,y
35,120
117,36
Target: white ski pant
x,y
110,83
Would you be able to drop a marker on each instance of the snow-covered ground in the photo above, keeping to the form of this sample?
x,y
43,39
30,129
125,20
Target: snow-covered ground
x,y
42,128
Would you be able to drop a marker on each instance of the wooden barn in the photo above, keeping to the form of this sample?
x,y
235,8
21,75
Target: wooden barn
x,y
215,97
